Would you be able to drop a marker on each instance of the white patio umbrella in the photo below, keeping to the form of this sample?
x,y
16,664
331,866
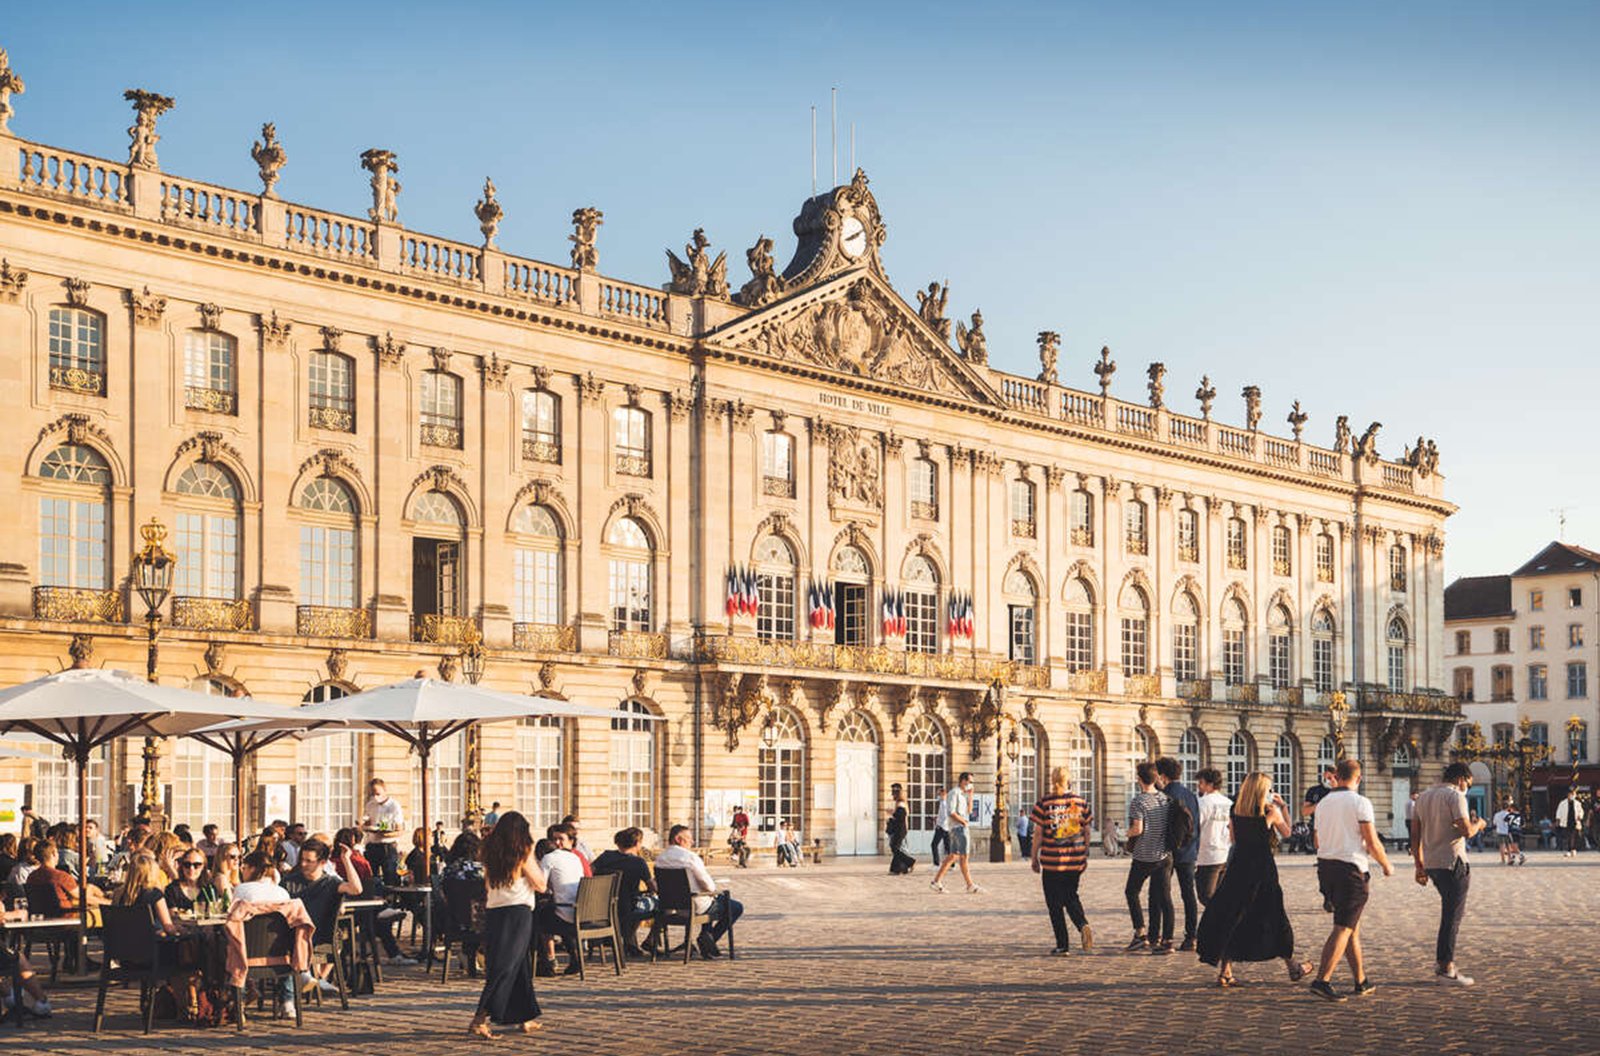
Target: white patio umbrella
x,y
81,709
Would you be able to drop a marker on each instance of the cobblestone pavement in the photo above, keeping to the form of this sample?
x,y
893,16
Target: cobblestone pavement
x,y
841,958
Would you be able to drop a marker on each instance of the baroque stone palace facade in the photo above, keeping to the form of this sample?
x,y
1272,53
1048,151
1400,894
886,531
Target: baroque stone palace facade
x,y
831,549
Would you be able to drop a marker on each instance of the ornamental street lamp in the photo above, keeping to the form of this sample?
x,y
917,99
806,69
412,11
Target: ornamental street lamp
x,y
472,660
151,570
769,731
994,711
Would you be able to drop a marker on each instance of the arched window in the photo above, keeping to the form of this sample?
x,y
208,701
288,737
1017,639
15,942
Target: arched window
x,y
856,728
1188,536
1185,638
1022,606
202,776
538,784
777,464
77,353
1080,517
331,383
1136,527
1285,765
441,409
1322,651
633,767
1402,759
925,772
630,441
1078,615
541,427
1324,558
1022,509
325,773
437,576
852,581
328,545
1238,544
1327,755
1031,762
1191,754
630,567
1237,762
1235,665
1135,613
72,518
924,489
1397,567
1397,643
1086,756
920,581
207,535
1279,640
210,372
780,772
775,589
536,567
446,782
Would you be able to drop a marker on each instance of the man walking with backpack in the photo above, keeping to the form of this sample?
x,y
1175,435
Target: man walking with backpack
x,y
1183,837
1152,861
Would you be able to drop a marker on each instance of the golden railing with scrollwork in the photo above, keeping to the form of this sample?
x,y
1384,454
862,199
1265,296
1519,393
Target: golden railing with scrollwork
x,y
1142,686
1195,689
77,604
925,511
326,621
1087,681
217,401
331,416
1189,552
213,614
1082,536
1244,693
633,465
536,449
435,629
77,379
1281,566
867,659
1023,527
544,637
1408,703
1137,545
1291,696
637,645
779,487
434,434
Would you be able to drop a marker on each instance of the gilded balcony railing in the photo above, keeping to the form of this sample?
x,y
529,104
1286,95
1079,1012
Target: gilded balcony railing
x,y
216,401
544,637
1189,553
1408,703
926,511
868,659
435,629
1237,562
332,416
537,448
213,614
1398,583
1243,693
326,621
1195,689
1281,566
1082,536
437,434
1087,681
1142,686
633,465
1289,696
1324,573
637,645
781,487
1137,545
77,604
77,379
1023,527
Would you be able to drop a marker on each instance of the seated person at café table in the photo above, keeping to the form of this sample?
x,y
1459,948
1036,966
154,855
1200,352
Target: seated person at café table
x,y
563,870
48,884
636,896
33,996
259,885
320,892
143,887
678,855
193,885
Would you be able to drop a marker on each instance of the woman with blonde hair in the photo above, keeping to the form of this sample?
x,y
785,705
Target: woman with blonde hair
x,y
225,867
165,848
146,885
1245,920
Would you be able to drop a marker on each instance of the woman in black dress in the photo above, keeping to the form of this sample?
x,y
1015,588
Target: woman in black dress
x,y
513,879
1245,920
900,863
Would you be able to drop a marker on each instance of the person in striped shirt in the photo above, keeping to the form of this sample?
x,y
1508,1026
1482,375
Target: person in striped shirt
x,y
1060,854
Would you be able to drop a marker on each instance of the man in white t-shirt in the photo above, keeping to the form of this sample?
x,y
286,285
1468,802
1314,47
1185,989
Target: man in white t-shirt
x,y
1215,841
383,820
1347,841
958,813
724,911
1502,833
562,870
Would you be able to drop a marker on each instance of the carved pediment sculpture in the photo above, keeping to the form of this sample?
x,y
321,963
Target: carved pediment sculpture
x,y
930,306
700,276
855,469
764,285
972,342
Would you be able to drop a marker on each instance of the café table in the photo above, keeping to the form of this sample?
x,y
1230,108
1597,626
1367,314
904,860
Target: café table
x,y
14,932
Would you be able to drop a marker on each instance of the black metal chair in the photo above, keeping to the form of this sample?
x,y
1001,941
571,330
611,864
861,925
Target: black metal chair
x,y
327,947
133,952
43,901
595,917
464,899
677,910
268,947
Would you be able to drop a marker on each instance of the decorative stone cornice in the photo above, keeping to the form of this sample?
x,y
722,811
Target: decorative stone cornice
x,y
330,462
211,446
12,281
77,428
441,478
148,308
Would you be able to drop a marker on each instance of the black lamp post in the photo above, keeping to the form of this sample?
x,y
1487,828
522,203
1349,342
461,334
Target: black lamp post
x,y
152,569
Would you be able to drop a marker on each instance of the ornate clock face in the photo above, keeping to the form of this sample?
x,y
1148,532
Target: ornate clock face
x,y
852,238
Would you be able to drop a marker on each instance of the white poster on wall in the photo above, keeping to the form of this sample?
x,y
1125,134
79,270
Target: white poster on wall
x,y
11,797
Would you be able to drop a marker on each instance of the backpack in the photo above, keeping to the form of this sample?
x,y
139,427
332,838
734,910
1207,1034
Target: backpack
x,y
1180,825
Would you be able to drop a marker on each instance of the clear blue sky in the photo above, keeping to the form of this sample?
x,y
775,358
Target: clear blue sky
x,y
1384,210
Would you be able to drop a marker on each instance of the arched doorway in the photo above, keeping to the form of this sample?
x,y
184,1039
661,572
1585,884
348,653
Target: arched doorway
x,y
855,811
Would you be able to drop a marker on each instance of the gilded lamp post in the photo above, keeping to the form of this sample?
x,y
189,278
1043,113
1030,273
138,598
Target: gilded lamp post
x,y
1519,756
472,658
152,569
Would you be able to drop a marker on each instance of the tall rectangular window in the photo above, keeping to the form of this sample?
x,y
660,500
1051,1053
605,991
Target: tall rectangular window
x,y
1463,684
536,586
1577,680
77,351
331,381
1081,515
1238,548
1502,639
775,612
1535,637
1536,600
207,548
630,441
922,621
1322,664
1500,690
1324,558
1282,547
777,464
441,409
538,771
924,489
1538,682
1185,652
1574,636
1022,633
1188,535
541,426
1136,527
1022,522
325,784
1397,568
209,377
1135,645
327,566
850,619
72,543
1278,660
1463,643
1080,640
1233,656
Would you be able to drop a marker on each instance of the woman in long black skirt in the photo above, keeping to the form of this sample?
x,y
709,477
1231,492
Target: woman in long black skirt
x,y
1245,919
513,878
900,863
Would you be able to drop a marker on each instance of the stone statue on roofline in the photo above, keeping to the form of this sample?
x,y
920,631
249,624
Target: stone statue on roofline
x,y
269,156
585,225
147,106
489,213
1157,373
1341,435
1049,349
972,343
10,84
385,188
700,276
764,284
930,306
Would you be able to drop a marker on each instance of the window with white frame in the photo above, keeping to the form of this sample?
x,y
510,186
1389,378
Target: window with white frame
x,y
780,772
331,384
777,464
1577,680
1135,614
1190,754
925,772
77,353
852,582
775,589
1398,642
328,545
1022,604
447,762
1078,616
1322,651
1234,625
1282,549
538,777
55,787
1324,558
633,767
1279,642
1185,638
630,441
920,594
1080,518
1327,755
630,575
210,379
1022,509
1236,763
72,518
536,566
441,409
1188,536
541,426
1238,548
202,776
1136,527
1536,637
1397,567
1284,766
1030,763
924,489
325,781
1085,756
206,539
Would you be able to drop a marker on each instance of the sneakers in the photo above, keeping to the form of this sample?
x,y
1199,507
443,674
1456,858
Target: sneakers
x,y
1188,944
35,1008
1326,991
288,1009
974,889
391,914
1455,977
1086,938
400,960
1139,942
1362,989
1162,948
937,886
327,986
1060,951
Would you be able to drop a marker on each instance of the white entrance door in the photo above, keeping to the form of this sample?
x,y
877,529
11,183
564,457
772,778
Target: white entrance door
x,y
1401,800
856,798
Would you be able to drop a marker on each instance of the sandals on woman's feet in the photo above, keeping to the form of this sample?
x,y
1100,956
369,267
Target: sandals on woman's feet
x,y
480,1030
1227,982
1299,971
530,1026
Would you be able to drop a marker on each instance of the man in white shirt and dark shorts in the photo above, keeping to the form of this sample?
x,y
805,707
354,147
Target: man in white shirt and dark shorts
x,y
383,820
958,805
1347,840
